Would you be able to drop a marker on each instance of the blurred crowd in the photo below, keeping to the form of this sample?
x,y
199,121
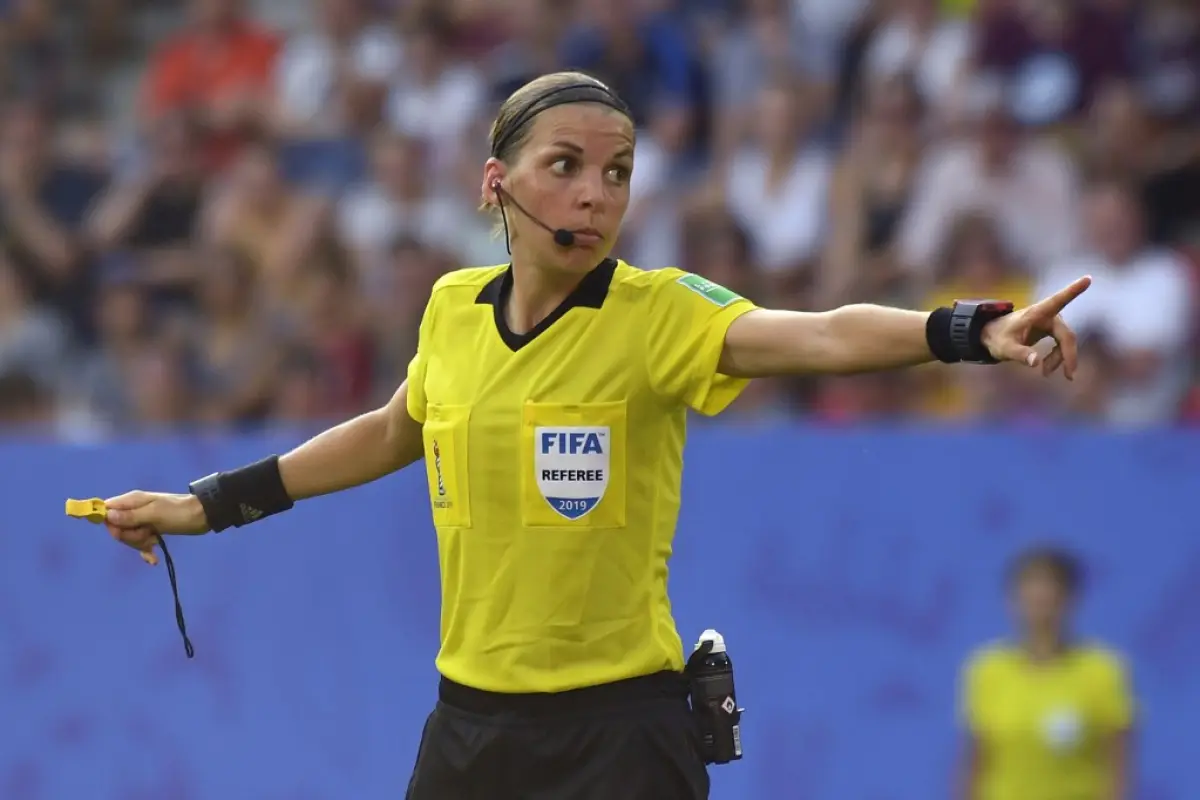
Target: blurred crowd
x,y
230,212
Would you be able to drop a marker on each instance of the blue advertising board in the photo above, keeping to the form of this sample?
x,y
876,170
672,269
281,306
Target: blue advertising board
x,y
850,570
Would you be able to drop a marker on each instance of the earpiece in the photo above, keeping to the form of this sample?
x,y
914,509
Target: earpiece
x,y
562,236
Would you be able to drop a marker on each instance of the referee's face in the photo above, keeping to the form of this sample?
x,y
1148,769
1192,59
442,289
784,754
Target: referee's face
x,y
573,172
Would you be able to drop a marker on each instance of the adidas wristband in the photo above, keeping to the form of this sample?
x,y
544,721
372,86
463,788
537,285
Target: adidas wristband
x,y
243,495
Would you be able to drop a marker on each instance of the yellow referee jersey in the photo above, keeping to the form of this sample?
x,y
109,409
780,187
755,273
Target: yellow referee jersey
x,y
554,461
1042,728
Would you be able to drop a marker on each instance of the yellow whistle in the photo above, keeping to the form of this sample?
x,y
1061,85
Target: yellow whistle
x,y
92,510
96,511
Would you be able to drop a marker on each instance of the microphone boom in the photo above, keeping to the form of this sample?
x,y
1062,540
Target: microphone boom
x,y
562,236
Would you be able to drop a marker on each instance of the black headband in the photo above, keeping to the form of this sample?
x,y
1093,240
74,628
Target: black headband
x,y
557,96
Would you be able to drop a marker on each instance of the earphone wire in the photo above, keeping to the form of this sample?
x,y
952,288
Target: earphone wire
x,y
503,216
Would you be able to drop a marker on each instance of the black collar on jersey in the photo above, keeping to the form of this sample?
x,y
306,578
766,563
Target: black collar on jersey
x,y
557,96
590,293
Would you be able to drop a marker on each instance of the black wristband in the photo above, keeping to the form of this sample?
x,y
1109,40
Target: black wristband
x,y
243,495
956,334
937,336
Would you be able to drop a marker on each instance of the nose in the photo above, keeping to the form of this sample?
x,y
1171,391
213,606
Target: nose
x,y
590,190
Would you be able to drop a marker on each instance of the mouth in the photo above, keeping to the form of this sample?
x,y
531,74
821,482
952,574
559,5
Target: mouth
x,y
589,233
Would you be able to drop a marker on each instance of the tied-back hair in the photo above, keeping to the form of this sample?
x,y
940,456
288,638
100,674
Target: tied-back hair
x,y
514,120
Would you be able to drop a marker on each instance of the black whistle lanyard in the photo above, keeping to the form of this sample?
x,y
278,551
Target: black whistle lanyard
x,y
179,620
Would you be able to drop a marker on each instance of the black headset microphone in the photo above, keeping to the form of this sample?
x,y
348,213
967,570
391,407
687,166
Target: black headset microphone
x,y
562,236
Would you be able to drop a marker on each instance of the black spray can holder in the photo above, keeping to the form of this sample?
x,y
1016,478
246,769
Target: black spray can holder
x,y
714,699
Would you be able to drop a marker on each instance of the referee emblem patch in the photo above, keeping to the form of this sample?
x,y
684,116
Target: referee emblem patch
x,y
572,465
713,292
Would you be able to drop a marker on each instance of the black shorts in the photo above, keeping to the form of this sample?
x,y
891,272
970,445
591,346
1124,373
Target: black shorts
x,y
634,740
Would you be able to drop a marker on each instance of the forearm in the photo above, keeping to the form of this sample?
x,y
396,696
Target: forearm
x,y
358,451
850,339
867,337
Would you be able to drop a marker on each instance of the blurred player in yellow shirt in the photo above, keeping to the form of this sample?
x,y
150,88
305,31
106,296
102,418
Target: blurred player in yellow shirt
x,y
1048,717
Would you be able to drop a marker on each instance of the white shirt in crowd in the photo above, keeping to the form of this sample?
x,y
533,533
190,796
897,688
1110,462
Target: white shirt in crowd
x,y
439,113
829,21
307,71
1144,306
369,221
1033,202
936,61
785,225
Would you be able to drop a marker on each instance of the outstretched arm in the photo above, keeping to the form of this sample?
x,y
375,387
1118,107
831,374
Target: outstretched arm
x,y
866,338
355,452
858,338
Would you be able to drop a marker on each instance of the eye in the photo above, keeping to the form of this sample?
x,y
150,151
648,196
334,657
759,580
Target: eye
x,y
618,174
563,166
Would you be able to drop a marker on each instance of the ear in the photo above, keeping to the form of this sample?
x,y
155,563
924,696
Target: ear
x,y
494,172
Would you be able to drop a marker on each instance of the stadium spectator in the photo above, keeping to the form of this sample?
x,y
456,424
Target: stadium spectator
x,y
399,198
768,39
1143,307
849,142
1027,183
644,54
155,213
1167,58
397,304
1161,158
33,339
870,190
276,228
298,398
1056,53
43,203
35,60
335,327
915,39
219,69
104,389
25,406
435,95
778,184
234,350
331,82
531,48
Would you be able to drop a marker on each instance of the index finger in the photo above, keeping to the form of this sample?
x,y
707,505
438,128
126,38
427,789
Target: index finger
x,y
1056,302
127,501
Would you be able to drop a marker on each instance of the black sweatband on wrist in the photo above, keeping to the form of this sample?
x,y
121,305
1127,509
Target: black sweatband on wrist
x,y
937,335
243,495
956,334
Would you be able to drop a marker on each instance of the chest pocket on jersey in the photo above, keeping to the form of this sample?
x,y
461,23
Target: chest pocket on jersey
x,y
573,465
445,436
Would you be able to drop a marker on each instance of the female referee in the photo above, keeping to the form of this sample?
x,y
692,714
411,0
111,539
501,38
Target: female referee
x,y
548,399
1048,718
